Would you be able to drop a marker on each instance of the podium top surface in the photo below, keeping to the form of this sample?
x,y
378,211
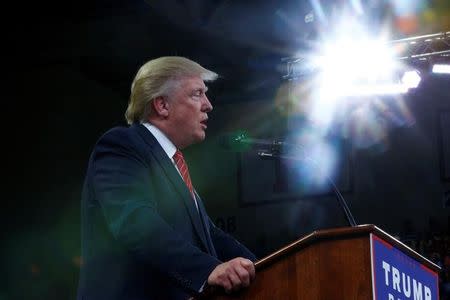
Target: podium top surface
x,y
343,233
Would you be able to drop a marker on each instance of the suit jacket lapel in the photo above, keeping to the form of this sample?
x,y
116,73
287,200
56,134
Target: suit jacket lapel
x,y
205,220
173,175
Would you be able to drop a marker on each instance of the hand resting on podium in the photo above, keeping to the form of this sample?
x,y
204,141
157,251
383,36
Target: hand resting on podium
x,y
233,274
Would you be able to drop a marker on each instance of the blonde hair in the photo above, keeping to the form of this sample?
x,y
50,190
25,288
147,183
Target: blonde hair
x,y
157,78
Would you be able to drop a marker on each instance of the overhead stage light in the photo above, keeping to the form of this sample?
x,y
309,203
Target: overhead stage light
x,y
411,79
441,68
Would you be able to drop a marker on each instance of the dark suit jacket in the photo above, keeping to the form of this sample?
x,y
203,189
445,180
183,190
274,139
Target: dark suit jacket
x,y
142,236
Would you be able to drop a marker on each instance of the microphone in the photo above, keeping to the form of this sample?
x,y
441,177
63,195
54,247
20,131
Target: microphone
x,y
241,142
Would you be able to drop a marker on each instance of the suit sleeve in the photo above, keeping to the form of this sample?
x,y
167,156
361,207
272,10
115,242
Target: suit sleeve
x,y
123,187
227,247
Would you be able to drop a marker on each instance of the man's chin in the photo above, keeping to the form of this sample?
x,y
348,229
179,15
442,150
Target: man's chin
x,y
199,138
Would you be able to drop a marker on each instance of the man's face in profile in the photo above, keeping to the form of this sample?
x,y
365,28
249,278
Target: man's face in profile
x,y
188,111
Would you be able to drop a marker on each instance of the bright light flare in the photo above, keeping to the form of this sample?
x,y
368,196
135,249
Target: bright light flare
x,y
357,60
353,64
441,69
352,69
379,89
349,67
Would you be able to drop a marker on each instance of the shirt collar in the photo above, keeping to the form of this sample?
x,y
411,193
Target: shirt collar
x,y
162,139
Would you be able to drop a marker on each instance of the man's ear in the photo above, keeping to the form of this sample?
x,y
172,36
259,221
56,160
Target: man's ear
x,y
161,106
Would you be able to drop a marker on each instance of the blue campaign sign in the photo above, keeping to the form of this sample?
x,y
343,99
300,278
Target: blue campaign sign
x,y
396,276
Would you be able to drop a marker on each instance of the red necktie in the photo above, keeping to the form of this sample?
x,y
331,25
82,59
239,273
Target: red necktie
x,y
183,168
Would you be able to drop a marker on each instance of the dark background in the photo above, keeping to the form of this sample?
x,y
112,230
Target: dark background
x,y
68,68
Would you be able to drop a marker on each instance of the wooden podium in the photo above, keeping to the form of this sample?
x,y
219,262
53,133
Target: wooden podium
x,y
341,263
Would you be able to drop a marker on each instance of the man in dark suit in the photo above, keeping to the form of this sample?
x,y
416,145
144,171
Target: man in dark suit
x,y
145,231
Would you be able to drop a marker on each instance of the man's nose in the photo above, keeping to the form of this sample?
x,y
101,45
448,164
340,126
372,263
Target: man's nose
x,y
207,105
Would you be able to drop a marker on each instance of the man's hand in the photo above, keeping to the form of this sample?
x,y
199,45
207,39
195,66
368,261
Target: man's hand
x,y
233,274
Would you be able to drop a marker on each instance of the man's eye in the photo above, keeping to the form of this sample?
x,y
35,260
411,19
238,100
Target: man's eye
x,y
198,93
